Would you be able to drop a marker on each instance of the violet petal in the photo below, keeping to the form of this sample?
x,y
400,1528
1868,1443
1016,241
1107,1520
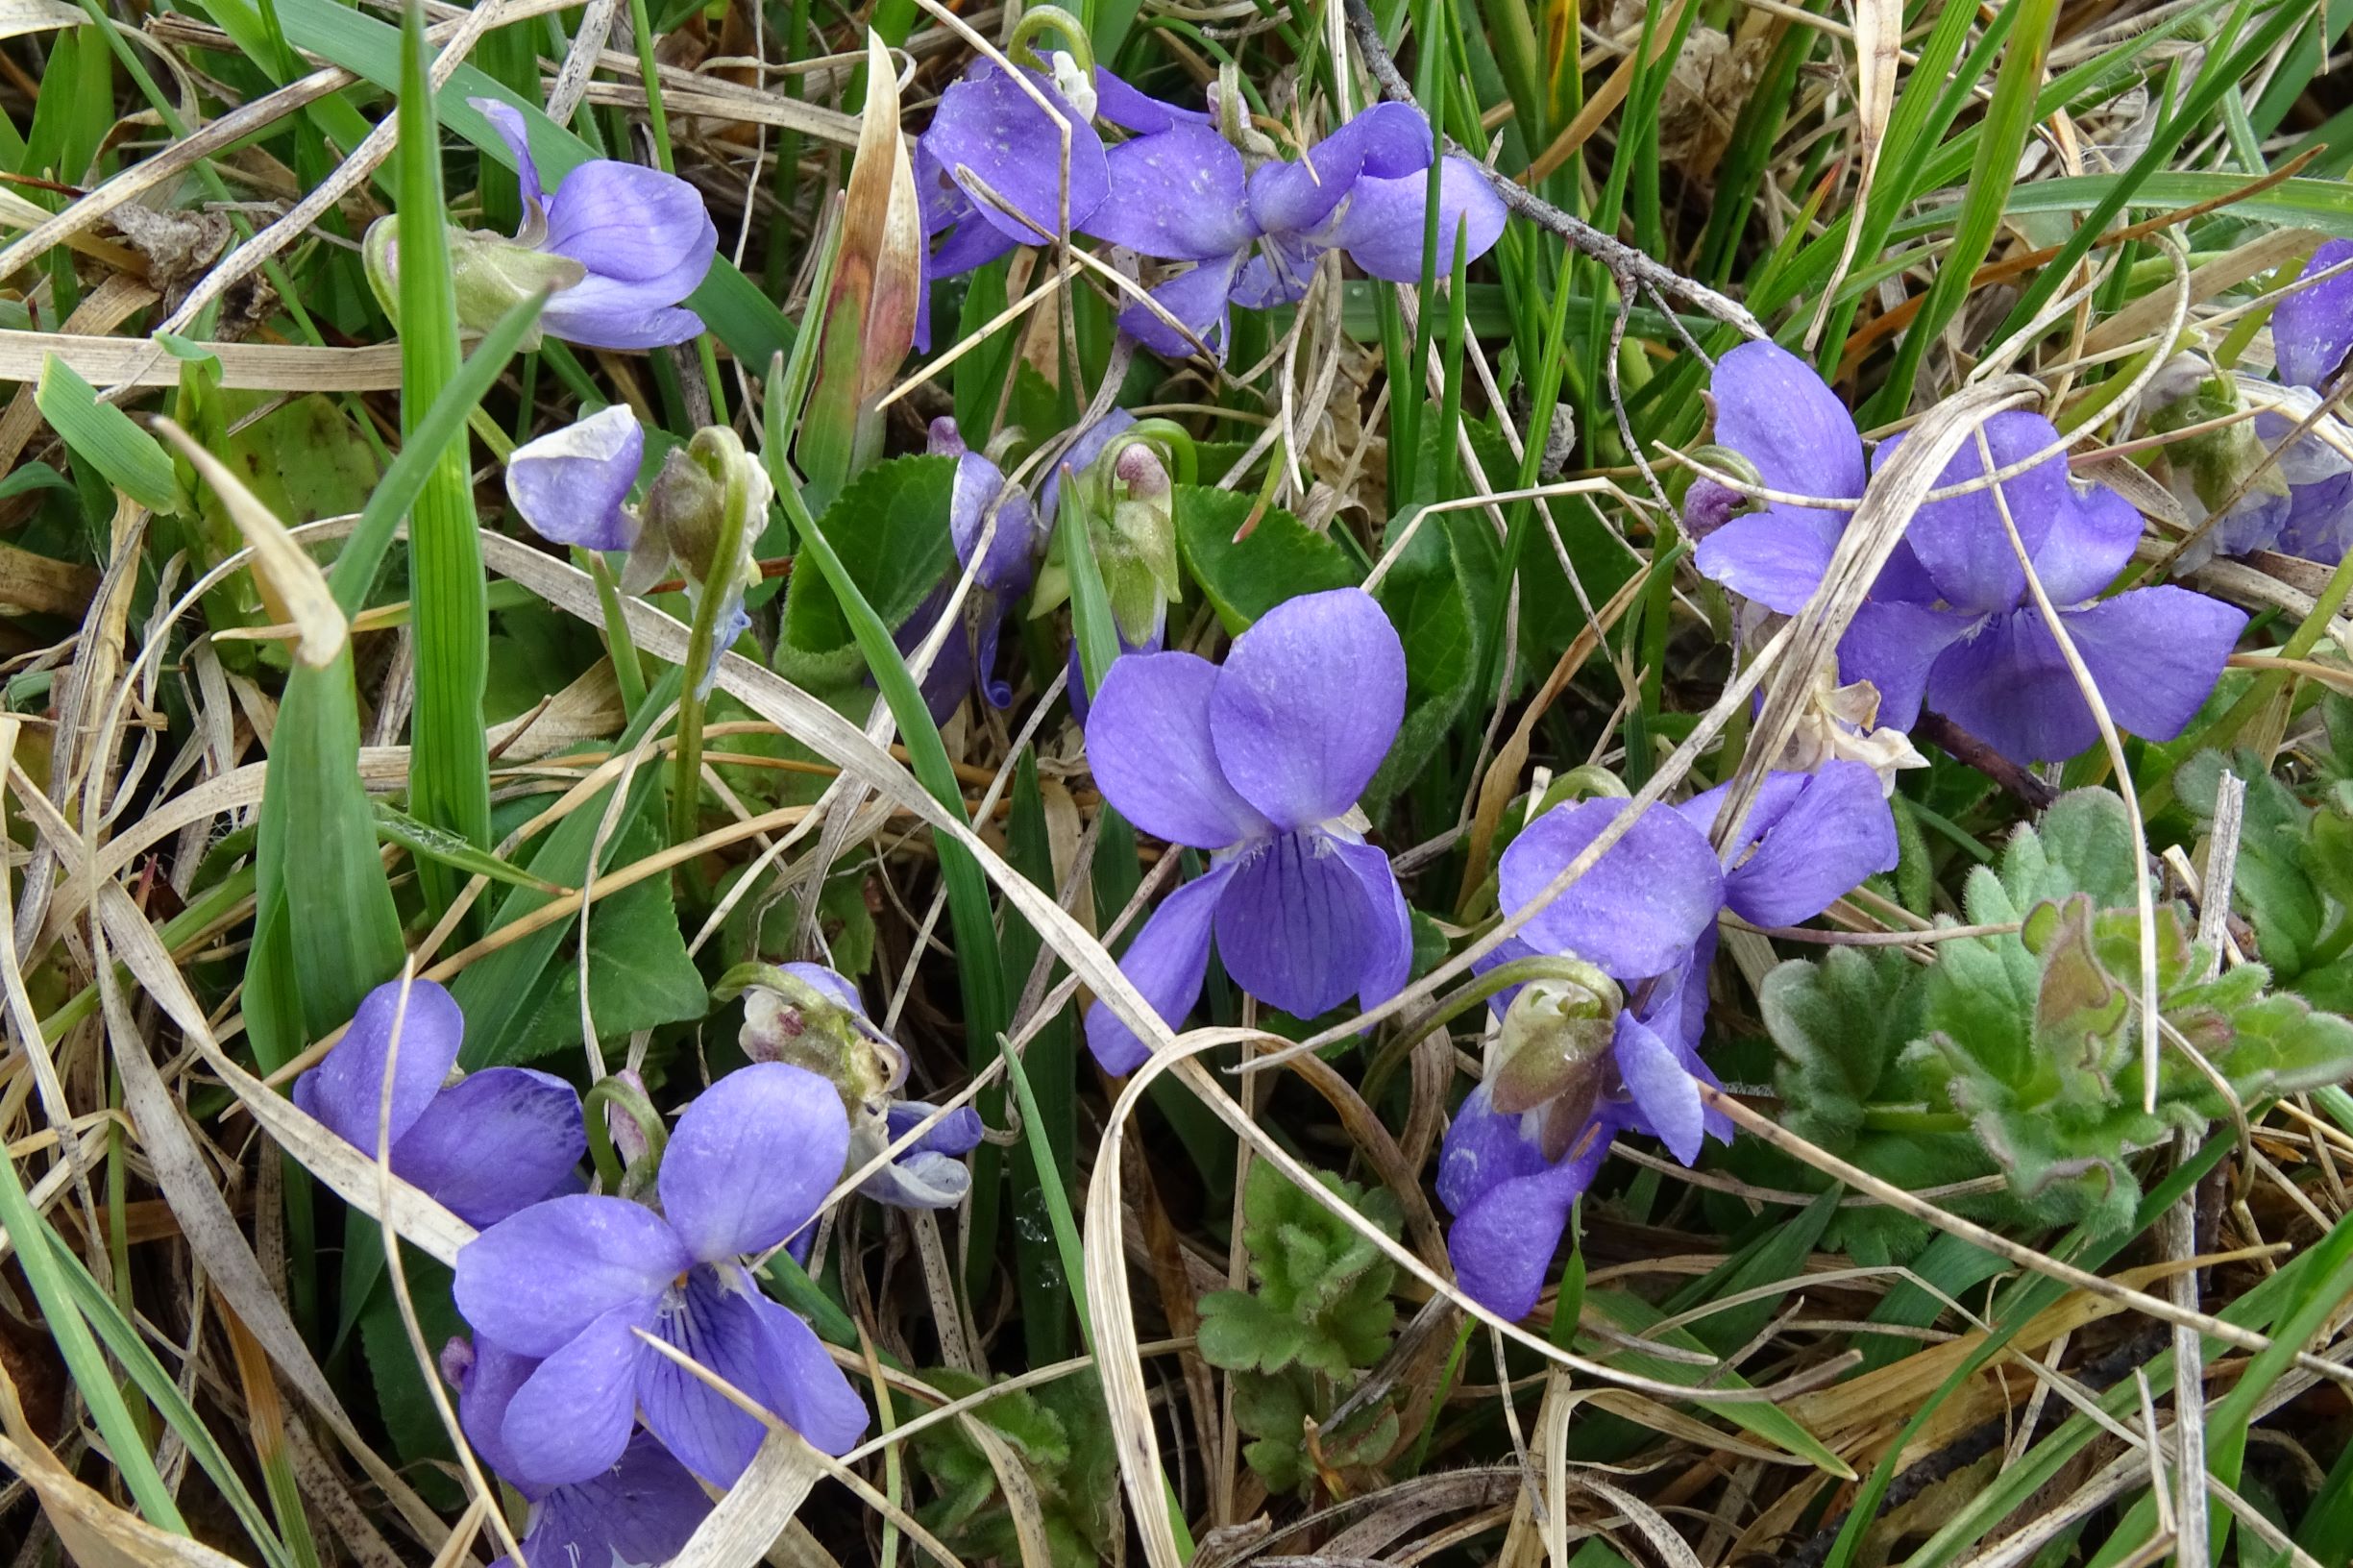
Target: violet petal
x,y
1297,927
2312,328
1307,704
782,1121
538,1278
1636,909
800,1382
495,1142
1177,194
570,484
572,1417
348,1089
1381,226
1166,962
1149,739
1386,141
711,1320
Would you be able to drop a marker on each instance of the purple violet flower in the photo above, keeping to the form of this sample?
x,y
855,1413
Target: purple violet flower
x,y
988,132
646,238
1260,762
573,1280
1004,575
1183,193
642,1509
2311,331
1951,624
492,1142
1645,915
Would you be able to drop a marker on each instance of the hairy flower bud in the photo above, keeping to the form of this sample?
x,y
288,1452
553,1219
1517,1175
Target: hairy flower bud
x,y
1137,550
1555,1041
1707,504
805,1017
489,272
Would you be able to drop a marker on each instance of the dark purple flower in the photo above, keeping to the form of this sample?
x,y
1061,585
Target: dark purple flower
x,y
645,238
492,1142
574,1280
1950,625
642,1509
1003,575
1645,913
1260,761
988,135
1183,193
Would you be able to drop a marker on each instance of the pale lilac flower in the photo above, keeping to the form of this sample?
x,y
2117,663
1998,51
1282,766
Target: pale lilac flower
x,y
571,1281
492,1142
642,1509
1006,570
1260,762
572,487
645,238
828,1031
1183,193
1645,913
929,1173
1950,625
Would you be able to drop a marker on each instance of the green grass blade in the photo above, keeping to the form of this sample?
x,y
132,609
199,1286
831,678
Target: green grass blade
x,y
37,1253
450,756
496,993
1051,1065
105,437
2220,74
423,453
731,305
131,1352
2008,121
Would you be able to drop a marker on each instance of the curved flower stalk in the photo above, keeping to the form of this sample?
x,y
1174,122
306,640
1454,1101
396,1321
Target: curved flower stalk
x,y
1573,1068
1260,761
701,515
1252,225
571,1283
484,1146
642,1509
1951,626
620,244
812,1018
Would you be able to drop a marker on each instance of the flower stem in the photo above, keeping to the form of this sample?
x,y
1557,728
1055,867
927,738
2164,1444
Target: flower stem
x,y
1039,19
629,672
617,1090
710,600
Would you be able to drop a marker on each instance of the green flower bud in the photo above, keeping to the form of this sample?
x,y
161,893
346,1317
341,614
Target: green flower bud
x,y
789,1021
686,506
2212,464
1555,1046
1137,548
489,272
